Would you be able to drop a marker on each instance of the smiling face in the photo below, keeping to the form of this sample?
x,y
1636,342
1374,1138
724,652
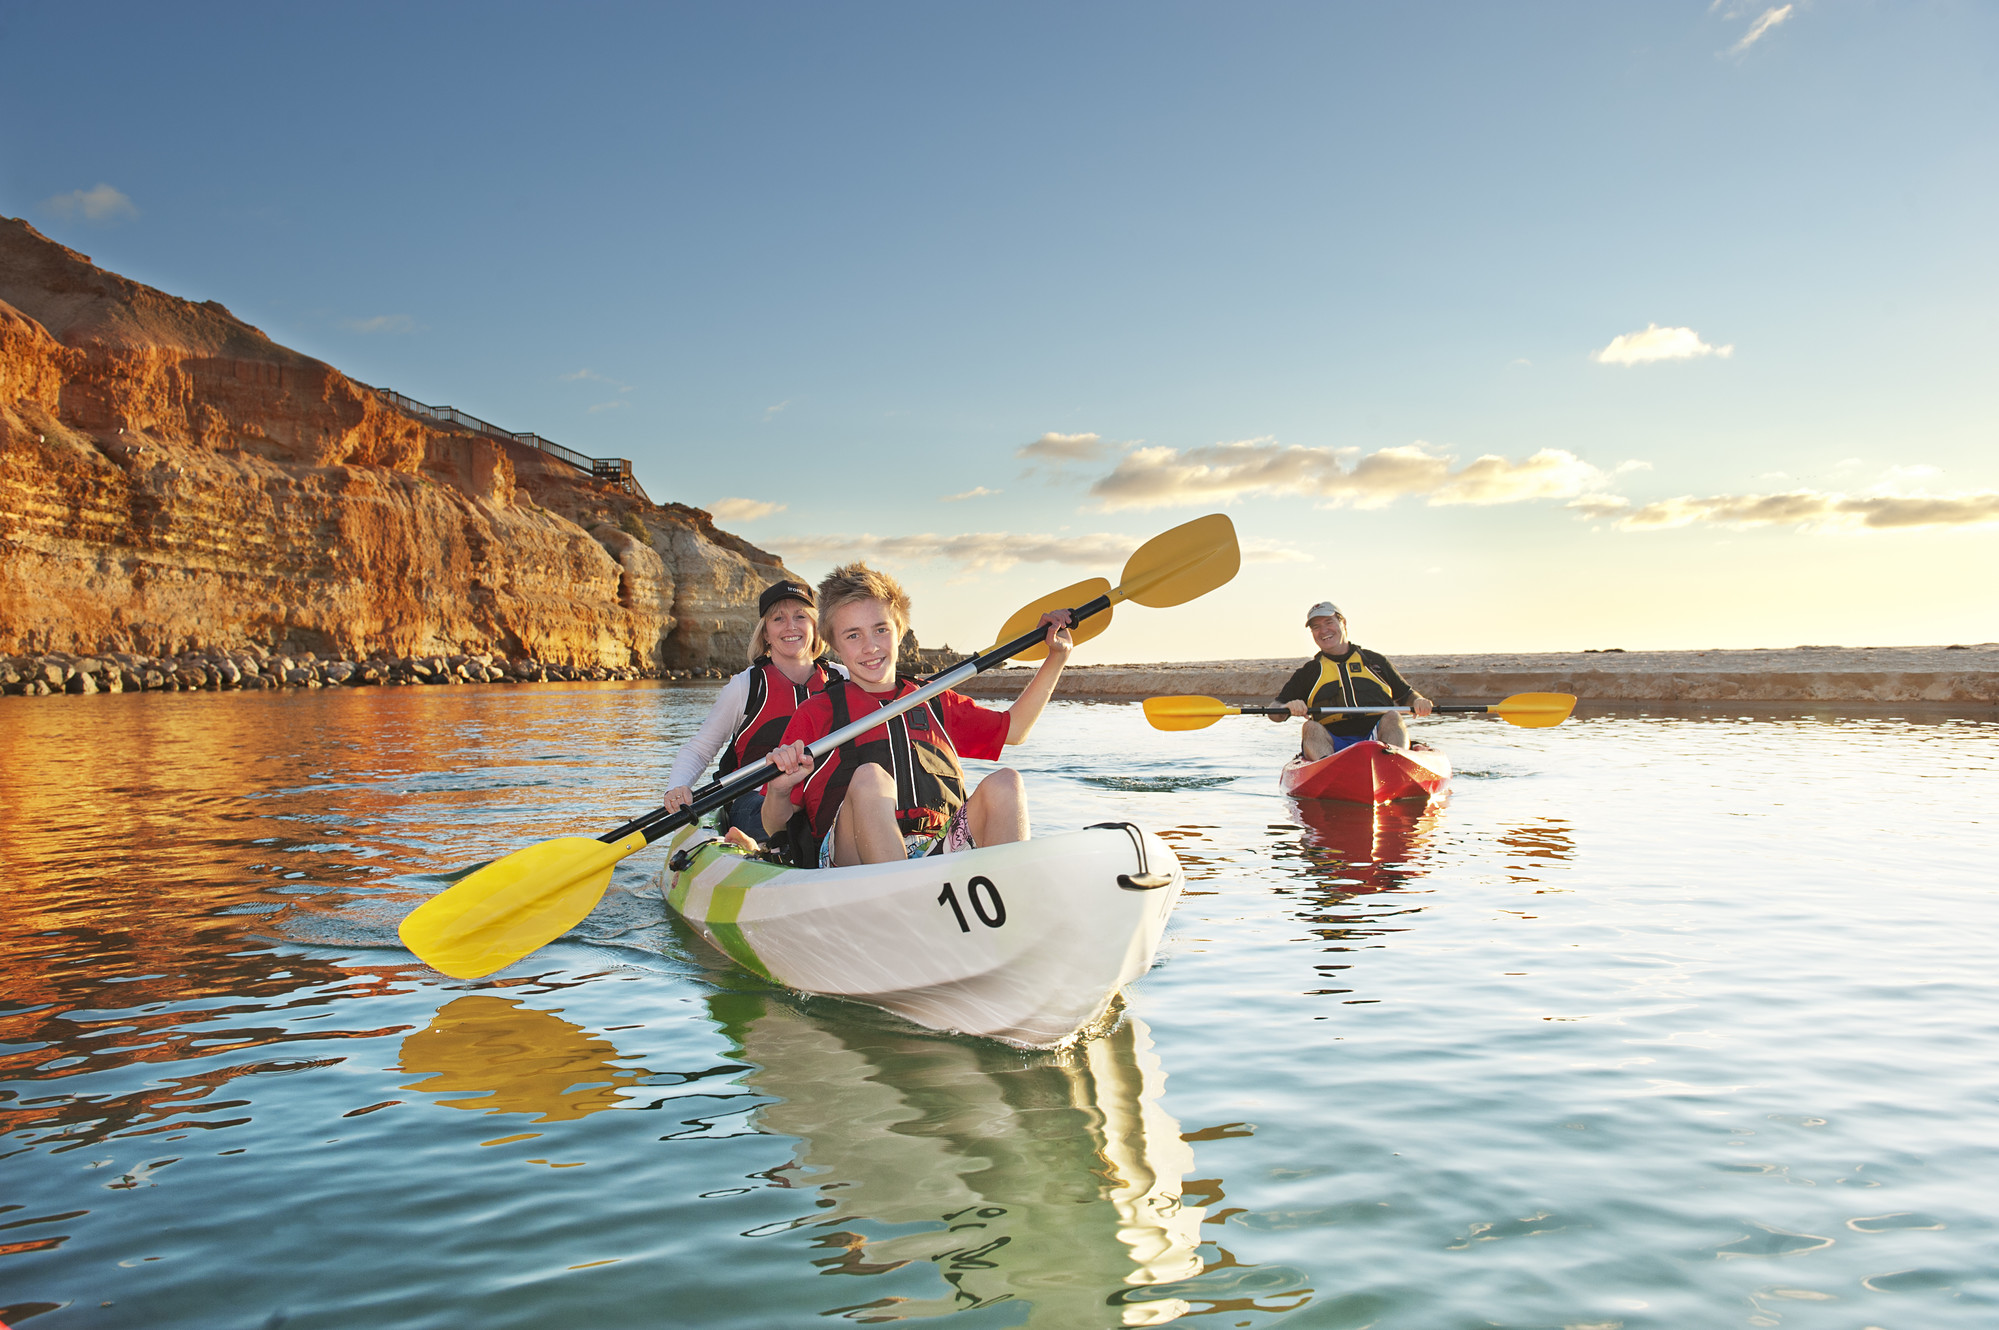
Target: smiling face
x,y
867,637
1330,632
789,630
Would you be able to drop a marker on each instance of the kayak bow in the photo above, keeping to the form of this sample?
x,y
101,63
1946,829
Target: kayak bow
x,y
1368,773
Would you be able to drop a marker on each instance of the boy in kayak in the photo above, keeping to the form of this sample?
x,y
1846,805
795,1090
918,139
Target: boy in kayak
x,y
898,791
1345,675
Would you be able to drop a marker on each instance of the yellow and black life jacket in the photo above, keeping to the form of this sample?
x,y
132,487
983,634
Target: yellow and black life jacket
x,y
1349,682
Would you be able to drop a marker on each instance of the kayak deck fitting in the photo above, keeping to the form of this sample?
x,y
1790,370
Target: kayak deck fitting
x,y
1025,943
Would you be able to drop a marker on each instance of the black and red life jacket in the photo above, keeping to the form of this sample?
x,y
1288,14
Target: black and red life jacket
x,y
773,700
914,747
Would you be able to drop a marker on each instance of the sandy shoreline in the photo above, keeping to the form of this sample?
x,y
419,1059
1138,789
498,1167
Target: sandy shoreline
x,y
1967,675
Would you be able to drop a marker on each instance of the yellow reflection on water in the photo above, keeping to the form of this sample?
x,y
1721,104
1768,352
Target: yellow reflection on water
x,y
508,1058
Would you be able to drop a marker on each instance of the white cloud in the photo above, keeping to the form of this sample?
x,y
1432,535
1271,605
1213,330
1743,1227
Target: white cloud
x,y
1765,21
381,323
997,551
1656,343
1161,477
595,407
743,510
1260,549
770,412
1815,509
1596,507
1060,448
991,551
976,492
100,203
586,376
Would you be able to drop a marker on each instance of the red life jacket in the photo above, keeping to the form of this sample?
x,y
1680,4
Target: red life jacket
x,y
773,700
913,747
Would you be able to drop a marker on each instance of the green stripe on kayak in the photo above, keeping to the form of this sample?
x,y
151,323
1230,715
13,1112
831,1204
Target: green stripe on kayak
x,y
725,904
723,908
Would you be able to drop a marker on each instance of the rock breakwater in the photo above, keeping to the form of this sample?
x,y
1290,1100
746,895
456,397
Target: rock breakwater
x,y
215,671
1961,675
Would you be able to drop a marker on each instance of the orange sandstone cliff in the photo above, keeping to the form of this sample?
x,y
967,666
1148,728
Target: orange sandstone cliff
x,y
171,479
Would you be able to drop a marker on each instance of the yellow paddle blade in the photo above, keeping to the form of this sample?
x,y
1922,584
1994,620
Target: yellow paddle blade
x,y
1175,566
500,913
1535,711
1186,713
1068,598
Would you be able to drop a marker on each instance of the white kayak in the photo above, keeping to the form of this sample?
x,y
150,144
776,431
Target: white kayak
x,y
1027,943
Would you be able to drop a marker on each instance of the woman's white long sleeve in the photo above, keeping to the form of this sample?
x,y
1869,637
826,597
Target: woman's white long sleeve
x,y
714,734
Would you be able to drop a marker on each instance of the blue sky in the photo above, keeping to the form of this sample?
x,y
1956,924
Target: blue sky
x,y
1310,262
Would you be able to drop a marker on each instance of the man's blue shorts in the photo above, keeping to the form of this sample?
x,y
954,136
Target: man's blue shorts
x,y
1349,740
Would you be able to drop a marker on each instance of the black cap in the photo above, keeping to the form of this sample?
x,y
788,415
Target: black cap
x,y
777,591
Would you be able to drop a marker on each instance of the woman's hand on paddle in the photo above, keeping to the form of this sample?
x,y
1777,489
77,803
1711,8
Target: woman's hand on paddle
x,y
1060,643
793,763
677,798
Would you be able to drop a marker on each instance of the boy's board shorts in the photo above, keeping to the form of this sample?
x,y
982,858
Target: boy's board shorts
x,y
955,836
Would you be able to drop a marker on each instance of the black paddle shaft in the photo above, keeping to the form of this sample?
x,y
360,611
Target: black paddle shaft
x,y
718,792
1349,711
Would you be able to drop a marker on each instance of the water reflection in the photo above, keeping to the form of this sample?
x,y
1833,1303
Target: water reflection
x,y
503,1057
1534,846
1053,1179
968,1173
1362,848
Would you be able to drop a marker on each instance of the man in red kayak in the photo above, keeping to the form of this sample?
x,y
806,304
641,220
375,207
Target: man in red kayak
x,y
1345,675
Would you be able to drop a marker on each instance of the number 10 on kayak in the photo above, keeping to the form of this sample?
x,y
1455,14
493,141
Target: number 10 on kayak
x,y
1025,940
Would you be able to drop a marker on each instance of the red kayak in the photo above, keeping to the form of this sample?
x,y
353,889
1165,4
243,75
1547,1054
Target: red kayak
x,y
1368,773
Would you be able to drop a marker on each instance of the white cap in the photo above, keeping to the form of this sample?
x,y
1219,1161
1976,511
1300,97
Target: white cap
x,y
1325,609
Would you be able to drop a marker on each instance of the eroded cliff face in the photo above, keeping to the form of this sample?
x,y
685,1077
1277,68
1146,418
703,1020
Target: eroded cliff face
x,y
170,478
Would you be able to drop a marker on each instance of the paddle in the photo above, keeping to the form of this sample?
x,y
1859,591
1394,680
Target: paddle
x,y
1529,710
499,913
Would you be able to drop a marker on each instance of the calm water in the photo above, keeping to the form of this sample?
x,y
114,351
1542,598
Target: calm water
x,y
1662,1021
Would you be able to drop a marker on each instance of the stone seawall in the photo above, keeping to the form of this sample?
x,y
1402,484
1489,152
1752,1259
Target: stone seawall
x,y
218,671
1952,675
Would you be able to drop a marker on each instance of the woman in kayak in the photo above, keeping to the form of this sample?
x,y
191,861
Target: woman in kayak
x,y
1345,675
787,666
898,791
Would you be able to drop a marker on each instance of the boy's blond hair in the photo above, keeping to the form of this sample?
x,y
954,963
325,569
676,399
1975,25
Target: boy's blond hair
x,y
856,581
760,640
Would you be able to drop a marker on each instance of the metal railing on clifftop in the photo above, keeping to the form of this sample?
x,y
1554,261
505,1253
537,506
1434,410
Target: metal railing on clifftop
x,y
613,470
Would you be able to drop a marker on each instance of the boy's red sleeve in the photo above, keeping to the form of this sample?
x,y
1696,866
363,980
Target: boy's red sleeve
x,y
976,731
811,721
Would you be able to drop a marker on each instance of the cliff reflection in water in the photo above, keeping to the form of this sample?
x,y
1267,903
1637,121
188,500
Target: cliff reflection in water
x,y
1055,1180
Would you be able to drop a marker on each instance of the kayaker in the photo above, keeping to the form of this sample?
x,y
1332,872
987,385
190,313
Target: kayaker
x,y
898,791
1345,675
788,663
